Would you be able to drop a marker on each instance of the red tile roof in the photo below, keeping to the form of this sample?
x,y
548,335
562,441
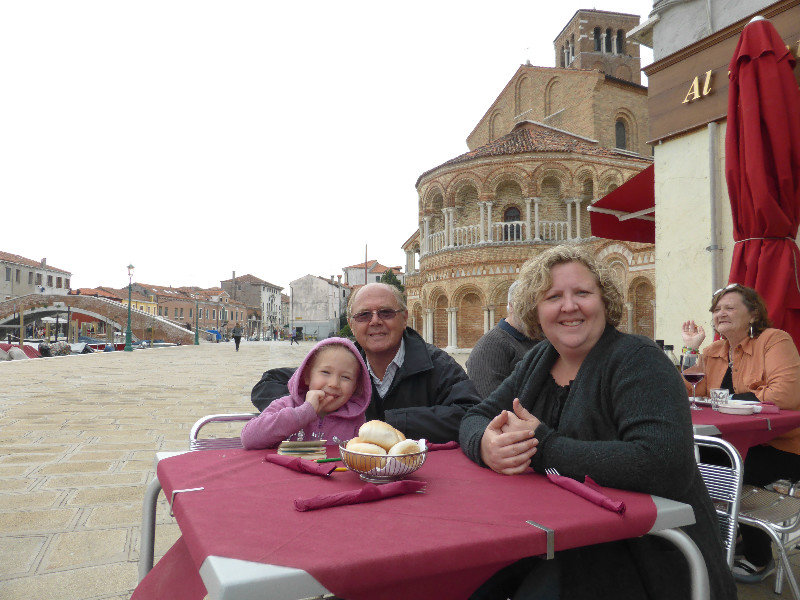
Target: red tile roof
x,y
528,137
27,262
373,266
251,279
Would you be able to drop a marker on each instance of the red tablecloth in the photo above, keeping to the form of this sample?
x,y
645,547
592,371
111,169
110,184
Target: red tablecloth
x,y
469,523
746,431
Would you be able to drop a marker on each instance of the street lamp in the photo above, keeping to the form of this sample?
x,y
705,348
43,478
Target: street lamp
x,y
128,347
196,322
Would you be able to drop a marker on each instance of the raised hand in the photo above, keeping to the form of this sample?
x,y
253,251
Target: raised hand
x,y
692,334
316,398
508,444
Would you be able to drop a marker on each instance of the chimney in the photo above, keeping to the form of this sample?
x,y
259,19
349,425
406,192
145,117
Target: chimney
x,y
331,278
44,262
339,279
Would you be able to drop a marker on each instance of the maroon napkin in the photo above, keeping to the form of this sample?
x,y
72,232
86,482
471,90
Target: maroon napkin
x,y
301,465
589,490
369,493
769,407
445,446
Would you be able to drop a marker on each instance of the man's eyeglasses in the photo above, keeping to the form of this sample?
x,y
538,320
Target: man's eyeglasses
x,y
384,314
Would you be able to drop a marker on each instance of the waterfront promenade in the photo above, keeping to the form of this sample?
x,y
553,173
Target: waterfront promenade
x,y
77,440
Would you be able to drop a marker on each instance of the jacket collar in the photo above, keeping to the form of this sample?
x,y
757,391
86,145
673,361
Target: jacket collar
x,y
417,358
722,350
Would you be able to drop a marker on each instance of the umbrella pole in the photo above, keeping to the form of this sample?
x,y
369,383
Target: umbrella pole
x,y
714,247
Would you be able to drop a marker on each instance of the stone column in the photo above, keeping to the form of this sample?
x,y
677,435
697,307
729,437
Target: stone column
x,y
452,327
528,235
409,261
614,49
489,220
577,202
569,218
452,221
486,325
629,310
491,316
426,231
444,221
481,229
428,336
537,237
603,42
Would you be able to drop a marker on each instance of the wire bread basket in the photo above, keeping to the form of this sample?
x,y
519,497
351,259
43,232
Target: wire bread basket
x,y
382,469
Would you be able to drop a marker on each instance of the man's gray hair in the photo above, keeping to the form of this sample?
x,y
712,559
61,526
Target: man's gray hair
x,y
511,291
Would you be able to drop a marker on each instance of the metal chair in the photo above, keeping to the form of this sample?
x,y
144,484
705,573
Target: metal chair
x,y
724,485
778,515
147,537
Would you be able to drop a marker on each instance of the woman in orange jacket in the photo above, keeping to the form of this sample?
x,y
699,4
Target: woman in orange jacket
x,y
752,357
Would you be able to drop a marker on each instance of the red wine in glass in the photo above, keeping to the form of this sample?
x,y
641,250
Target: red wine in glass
x,y
694,378
693,372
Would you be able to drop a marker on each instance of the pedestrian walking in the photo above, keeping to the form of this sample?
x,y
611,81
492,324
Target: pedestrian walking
x,y
293,339
237,335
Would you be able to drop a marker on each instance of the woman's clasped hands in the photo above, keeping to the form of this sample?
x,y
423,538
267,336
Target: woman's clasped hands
x,y
508,443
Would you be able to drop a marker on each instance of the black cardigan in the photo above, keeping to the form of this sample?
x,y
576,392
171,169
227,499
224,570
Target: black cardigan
x,y
626,424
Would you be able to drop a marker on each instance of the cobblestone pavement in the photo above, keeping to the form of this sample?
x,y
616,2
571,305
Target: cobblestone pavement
x,y
77,441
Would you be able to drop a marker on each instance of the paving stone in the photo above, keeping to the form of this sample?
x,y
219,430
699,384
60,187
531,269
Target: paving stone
x,y
11,484
74,467
24,521
108,495
74,584
91,480
31,500
18,554
86,548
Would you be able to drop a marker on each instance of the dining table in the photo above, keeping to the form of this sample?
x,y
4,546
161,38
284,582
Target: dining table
x,y
744,430
242,536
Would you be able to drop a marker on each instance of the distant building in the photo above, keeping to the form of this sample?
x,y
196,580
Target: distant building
x,y
262,299
286,303
317,305
20,276
355,274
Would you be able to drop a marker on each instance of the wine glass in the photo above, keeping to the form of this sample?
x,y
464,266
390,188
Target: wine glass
x,y
692,369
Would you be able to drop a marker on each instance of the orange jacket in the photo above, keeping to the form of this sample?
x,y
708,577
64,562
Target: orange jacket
x,y
768,366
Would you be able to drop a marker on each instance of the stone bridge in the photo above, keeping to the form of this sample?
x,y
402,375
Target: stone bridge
x,y
113,313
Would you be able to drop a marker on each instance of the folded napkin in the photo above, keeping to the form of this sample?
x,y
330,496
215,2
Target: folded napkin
x,y
588,490
446,446
301,465
369,493
769,407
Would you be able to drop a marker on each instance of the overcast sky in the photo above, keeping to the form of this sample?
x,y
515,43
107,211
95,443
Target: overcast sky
x,y
198,138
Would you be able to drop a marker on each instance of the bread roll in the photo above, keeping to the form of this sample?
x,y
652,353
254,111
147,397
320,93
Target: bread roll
x,y
380,433
404,447
364,447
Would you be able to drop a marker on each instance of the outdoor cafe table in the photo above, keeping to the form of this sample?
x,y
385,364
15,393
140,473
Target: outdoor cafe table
x,y
744,431
244,535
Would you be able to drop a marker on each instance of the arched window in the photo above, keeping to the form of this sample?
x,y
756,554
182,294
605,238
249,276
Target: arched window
x,y
512,231
620,41
563,64
620,134
572,48
608,40
597,40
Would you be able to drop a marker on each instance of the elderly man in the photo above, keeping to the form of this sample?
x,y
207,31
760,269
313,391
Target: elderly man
x,y
416,387
494,356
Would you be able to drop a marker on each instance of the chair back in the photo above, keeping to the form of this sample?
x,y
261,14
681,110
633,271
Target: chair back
x,y
214,443
724,485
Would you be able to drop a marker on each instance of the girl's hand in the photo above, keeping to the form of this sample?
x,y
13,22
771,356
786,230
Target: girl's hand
x,y
505,447
315,398
692,334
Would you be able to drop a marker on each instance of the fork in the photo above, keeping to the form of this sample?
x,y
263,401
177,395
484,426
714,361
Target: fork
x,y
552,472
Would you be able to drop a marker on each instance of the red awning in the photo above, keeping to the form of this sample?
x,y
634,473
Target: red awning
x,y
627,213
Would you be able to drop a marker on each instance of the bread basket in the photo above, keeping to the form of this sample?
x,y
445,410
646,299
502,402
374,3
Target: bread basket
x,y
382,469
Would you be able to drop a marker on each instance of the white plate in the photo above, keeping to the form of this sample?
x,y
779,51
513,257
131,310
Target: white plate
x,y
743,402
702,400
733,409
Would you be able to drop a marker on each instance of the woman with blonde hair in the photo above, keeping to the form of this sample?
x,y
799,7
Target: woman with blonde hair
x,y
590,400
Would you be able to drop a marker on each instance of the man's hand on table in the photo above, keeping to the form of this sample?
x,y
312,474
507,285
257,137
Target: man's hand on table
x,y
508,444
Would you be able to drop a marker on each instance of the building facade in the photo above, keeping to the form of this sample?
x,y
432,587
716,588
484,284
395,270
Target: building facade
x,y
317,305
369,272
693,44
262,299
20,276
553,142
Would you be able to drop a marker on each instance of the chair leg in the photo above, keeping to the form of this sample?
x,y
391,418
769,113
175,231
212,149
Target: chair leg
x,y
784,563
147,537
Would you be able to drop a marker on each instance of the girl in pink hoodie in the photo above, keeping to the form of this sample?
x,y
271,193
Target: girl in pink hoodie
x,y
328,395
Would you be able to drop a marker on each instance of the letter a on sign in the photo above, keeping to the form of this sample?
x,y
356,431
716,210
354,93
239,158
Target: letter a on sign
x,y
694,91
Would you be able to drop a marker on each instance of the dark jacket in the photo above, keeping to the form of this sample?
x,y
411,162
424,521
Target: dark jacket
x,y
626,424
428,397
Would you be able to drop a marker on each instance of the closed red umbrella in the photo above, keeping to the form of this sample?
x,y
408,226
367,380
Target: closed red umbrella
x,y
762,167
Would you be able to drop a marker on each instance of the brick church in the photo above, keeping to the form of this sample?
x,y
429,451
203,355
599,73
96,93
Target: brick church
x,y
555,141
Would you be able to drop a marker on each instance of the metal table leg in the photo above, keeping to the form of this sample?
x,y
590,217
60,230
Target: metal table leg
x,y
148,538
697,564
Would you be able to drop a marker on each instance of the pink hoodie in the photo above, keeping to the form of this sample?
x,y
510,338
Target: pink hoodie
x,y
288,415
